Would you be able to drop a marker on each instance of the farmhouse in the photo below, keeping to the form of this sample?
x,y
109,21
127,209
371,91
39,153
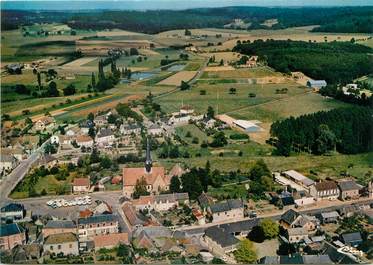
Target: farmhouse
x,y
81,185
231,209
66,243
325,190
105,137
129,129
44,123
220,241
247,126
84,140
293,219
349,189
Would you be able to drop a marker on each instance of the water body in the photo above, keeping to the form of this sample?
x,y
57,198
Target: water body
x,y
176,67
141,75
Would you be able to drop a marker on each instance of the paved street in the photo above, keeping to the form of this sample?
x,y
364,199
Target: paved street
x,y
9,182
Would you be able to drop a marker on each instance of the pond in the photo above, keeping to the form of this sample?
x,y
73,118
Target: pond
x,y
141,75
176,67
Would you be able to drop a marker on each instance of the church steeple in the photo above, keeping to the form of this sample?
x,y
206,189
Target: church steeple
x,y
148,161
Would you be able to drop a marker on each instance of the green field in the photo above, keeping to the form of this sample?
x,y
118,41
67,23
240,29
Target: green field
x,y
292,106
218,96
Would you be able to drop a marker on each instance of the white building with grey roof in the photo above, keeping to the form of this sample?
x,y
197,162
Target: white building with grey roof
x,y
230,209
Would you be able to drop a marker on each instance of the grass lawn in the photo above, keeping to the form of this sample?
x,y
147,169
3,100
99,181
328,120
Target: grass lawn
x,y
324,166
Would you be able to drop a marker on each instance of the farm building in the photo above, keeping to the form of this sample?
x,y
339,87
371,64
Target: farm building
x,y
298,178
247,126
316,83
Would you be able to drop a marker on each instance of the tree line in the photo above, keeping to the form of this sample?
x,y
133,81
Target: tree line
x,y
335,62
154,21
346,130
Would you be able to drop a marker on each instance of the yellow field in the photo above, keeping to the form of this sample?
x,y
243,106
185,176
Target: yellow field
x,y
175,80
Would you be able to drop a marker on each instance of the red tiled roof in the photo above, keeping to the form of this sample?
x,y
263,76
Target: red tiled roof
x,y
81,182
102,241
116,180
85,213
131,175
83,138
143,200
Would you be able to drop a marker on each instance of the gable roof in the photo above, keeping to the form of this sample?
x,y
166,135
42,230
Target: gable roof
x,y
240,226
98,219
289,216
105,132
221,236
60,238
83,139
326,185
9,229
226,206
131,175
131,215
349,185
351,237
60,224
81,182
12,207
102,241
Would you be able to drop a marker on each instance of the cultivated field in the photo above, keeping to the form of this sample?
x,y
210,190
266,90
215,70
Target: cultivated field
x,y
175,80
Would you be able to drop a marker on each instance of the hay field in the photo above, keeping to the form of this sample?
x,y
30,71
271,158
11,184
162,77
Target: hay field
x,y
258,72
175,80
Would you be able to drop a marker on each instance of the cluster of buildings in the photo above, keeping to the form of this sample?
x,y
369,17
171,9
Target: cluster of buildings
x,y
307,192
49,237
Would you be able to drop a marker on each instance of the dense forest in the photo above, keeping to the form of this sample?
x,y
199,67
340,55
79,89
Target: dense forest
x,y
346,130
339,19
335,62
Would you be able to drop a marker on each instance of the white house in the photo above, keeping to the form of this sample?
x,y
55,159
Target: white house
x,y
230,209
105,137
81,185
84,140
7,163
155,130
55,139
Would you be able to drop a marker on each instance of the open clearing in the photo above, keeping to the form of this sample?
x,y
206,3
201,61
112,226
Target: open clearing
x,y
175,80
79,62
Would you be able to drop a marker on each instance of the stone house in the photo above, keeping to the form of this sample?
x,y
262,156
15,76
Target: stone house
x,y
65,243
230,209
58,227
325,190
81,185
349,189
97,225
11,235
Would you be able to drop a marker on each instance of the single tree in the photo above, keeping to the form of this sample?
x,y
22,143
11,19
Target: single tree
x,y
245,252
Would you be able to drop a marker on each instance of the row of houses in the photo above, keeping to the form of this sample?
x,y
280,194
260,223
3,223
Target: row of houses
x,y
343,189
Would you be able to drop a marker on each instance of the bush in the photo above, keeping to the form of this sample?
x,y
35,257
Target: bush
x,y
238,136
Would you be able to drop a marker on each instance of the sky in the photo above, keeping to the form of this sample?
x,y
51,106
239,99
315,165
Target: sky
x,y
166,4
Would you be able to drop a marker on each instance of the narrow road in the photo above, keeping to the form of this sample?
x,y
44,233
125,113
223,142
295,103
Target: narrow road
x,y
10,181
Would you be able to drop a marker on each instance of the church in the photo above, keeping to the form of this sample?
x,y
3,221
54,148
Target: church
x,y
157,180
